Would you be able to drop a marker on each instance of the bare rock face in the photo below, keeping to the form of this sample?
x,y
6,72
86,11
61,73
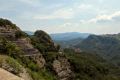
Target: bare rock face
x,y
30,51
25,75
62,68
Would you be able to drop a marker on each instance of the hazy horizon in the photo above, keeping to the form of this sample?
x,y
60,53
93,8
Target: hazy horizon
x,y
74,32
60,16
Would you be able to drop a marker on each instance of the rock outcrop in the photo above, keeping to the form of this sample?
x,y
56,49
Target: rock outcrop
x,y
62,68
30,51
34,48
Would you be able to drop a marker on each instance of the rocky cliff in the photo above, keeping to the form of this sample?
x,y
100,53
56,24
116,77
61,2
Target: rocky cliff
x,y
56,59
62,68
29,52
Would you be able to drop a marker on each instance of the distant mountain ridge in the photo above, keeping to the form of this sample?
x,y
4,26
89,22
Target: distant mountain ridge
x,y
68,36
64,36
29,32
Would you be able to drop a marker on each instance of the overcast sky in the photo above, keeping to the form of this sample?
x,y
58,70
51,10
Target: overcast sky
x,y
56,16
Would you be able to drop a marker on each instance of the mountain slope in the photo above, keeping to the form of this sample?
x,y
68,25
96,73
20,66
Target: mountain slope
x,y
90,66
107,46
31,52
69,43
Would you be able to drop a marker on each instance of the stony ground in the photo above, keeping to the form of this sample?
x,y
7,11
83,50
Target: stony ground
x,y
4,75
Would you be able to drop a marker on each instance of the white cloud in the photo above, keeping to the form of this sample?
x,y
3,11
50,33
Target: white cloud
x,y
64,13
31,2
105,17
101,1
59,14
85,6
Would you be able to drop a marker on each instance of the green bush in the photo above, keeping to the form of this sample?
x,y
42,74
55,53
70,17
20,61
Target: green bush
x,y
42,41
33,66
14,64
42,75
9,48
20,34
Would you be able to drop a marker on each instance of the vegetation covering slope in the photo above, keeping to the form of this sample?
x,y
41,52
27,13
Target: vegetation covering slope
x,y
87,66
108,46
69,43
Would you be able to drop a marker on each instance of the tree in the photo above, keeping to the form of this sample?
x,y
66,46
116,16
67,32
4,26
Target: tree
x,y
20,34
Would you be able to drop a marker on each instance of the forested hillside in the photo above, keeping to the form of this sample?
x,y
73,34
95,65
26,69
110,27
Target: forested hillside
x,y
107,46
